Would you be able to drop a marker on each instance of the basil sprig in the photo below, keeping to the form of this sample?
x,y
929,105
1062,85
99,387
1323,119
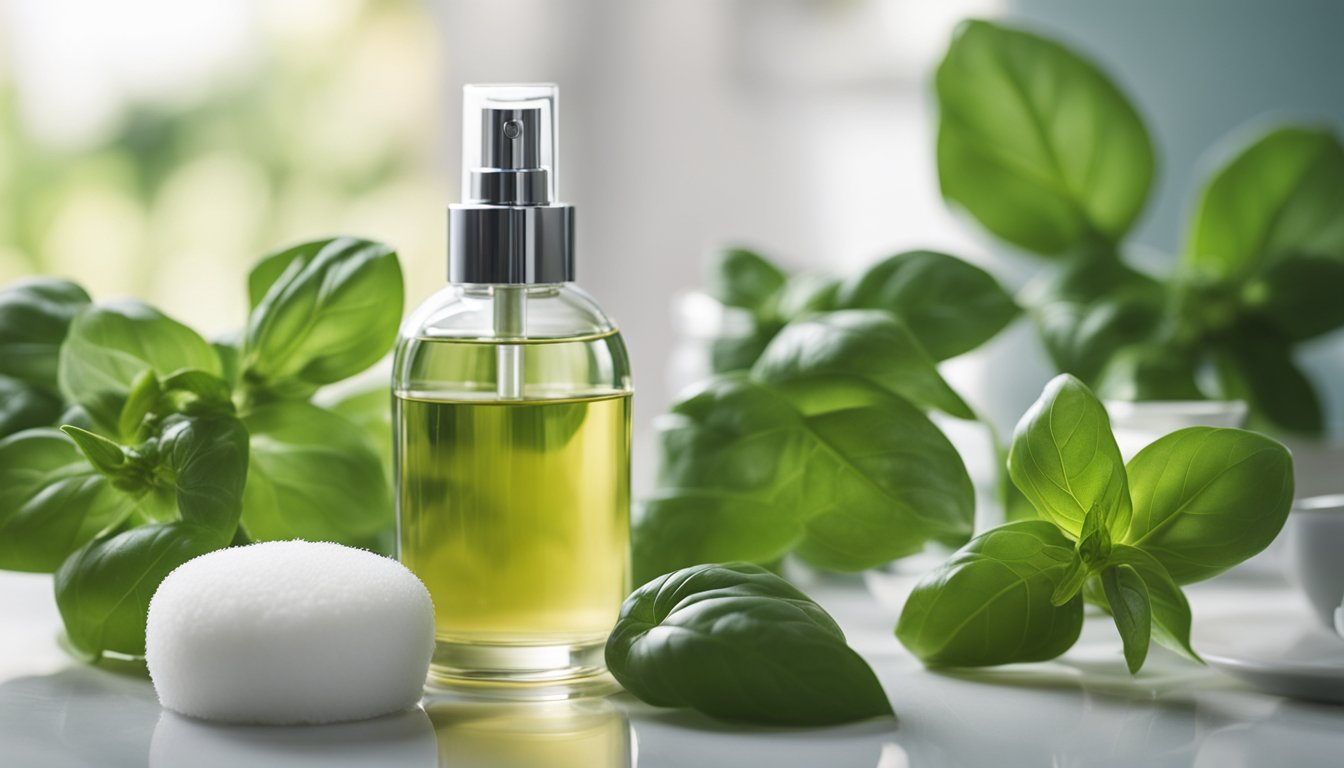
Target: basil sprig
x,y
737,642
1187,507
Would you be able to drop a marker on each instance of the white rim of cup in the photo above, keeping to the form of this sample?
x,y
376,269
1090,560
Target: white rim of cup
x,y
1328,504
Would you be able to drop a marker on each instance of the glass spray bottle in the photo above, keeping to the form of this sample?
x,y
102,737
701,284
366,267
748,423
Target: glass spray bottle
x,y
512,412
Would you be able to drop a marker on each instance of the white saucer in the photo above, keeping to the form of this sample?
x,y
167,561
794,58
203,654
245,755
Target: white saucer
x,y
1279,650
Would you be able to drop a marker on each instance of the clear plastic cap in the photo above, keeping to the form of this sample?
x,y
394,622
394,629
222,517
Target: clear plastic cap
x,y
510,144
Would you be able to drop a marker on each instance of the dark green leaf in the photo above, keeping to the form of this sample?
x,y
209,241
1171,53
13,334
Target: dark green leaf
x,y
103,590
204,460
1280,196
52,501
284,264
314,475
739,643
324,318
140,402
990,602
109,345
1072,583
806,293
949,305
1065,460
1300,296
1036,142
1205,499
867,344
1257,363
742,278
1171,611
24,406
371,410
738,352
1127,596
1094,541
864,474
35,313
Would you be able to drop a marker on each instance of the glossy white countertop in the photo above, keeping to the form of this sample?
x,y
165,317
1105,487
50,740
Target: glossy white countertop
x,y
1081,710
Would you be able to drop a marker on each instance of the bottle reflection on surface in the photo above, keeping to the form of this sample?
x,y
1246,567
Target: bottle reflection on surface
x,y
578,733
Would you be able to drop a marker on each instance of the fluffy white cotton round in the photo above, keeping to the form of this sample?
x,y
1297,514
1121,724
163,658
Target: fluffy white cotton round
x,y
289,632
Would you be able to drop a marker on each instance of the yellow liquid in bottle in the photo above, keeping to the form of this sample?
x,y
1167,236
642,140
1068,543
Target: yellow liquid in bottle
x,y
515,514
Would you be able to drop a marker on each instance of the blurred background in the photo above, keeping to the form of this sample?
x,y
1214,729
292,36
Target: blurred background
x,y
157,148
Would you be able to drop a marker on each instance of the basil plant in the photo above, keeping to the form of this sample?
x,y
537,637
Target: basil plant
x,y
170,446
1040,147
1122,536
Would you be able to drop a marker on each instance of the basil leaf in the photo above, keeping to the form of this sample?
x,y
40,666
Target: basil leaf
x,y
949,305
990,602
743,278
1171,611
1281,195
1065,459
740,351
1036,142
675,528
1128,599
807,292
281,265
739,643
52,501
1299,296
852,477
109,345
103,590
324,318
1094,308
1257,363
24,406
866,344
313,475
205,463
1205,499
35,314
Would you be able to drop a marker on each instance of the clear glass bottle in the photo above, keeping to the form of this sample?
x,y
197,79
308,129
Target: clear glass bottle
x,y
512,411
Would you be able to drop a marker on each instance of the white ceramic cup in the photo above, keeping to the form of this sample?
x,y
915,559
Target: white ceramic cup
x,y
1316,553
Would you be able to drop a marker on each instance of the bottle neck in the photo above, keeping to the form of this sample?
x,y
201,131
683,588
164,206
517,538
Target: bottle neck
x,y
510,245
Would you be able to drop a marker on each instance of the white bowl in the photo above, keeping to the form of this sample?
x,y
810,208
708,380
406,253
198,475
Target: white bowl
x,y
1316,553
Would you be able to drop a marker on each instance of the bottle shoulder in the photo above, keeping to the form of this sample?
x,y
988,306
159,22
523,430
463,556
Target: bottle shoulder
x,y
548,312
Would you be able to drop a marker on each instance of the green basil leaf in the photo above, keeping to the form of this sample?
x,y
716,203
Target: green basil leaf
x,y
1095,307
106,456
103,590
24,406
281,265
1171,611
739,643
229,348
990,602
1299,296
204,460
1281,195
739,352
326,318
805,293
852,477
867,344
1036,142
1257,363
109,345
949,305
140,403
1205,499
314,475
35,314
1072,583
52,502
1127,596
743,278
1065,459
676,528
1094,541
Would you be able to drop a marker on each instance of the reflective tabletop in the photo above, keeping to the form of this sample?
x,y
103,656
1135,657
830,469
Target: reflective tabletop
x,y
1083,709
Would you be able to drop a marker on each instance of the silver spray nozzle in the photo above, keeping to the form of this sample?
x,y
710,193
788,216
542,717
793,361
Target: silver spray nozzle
x,y
511,170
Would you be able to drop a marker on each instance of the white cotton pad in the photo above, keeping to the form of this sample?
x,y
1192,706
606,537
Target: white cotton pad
x,y
289,632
